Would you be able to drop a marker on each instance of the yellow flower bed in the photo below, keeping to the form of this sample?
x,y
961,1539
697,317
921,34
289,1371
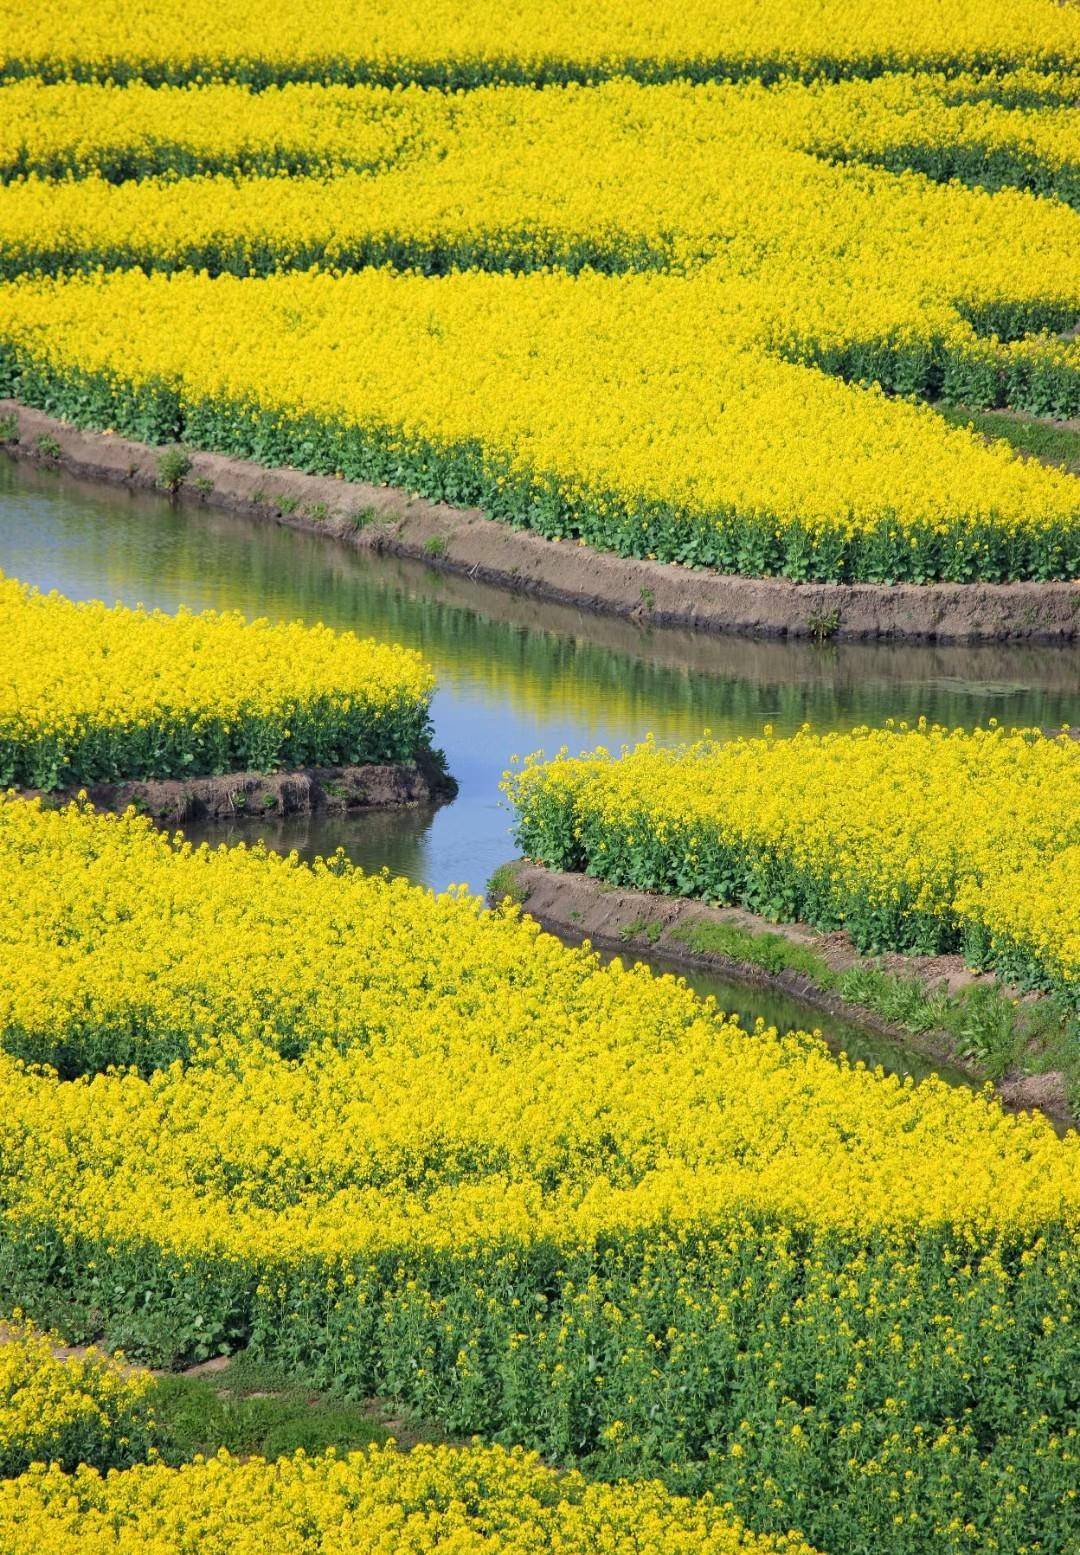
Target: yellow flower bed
x,y
470,1500
1016,127
925,840
410,1147
467,41
90,693
80,1409
677,431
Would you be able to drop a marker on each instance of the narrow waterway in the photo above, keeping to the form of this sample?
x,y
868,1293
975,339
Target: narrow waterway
x,y
515,675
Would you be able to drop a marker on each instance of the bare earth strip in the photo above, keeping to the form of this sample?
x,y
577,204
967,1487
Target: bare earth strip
x,y
642,925
463,541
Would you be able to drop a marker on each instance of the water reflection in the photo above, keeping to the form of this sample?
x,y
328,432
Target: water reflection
x,y
515,674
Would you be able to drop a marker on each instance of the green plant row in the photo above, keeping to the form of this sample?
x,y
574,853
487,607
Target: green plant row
x,y
980,166
462,74
887,1396
464,473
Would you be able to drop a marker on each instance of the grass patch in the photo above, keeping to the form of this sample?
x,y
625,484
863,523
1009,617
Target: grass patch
x,y
503,883
435,546
982,1024
254,1408
1040,440
47,446
9,428
642,928
770,952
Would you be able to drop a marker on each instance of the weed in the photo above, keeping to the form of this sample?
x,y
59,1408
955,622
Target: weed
x,y
9,428
362,517
435,546
648,598
203,485
288,505
172,468
823,625
258,496
47,446
642,928
318,512
504,883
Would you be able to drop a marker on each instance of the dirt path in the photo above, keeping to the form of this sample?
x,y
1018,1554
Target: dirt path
x,y
641,925
462,540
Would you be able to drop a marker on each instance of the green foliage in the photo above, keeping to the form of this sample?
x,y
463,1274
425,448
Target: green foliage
x,y
435,546
47,446
503,883
647,929
1042,440
9,428
173,466
255,1408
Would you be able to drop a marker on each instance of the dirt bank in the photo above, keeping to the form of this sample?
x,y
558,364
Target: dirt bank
x,y
462,540
643,926
377,786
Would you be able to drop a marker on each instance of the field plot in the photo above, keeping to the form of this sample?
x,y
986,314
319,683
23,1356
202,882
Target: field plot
x,y
464,44
733,285
920,840
96,694
426,1151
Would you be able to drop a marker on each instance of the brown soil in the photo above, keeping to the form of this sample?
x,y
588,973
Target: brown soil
x,y
462,540
642,925
337,789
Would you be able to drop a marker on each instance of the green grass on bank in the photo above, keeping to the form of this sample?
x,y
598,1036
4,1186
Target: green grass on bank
x,y
252,1408
1042,440
981,1024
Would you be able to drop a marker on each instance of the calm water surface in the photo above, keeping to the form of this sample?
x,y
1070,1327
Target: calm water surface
x,y
514,675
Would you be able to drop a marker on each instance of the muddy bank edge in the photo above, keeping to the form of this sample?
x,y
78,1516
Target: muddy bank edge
x,y
374,786
463,541
642,926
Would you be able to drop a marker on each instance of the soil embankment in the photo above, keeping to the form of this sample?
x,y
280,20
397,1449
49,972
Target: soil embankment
x,y
376,786
463,541
677,930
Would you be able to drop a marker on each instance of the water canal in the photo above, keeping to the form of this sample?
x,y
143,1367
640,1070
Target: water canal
x,y
515,675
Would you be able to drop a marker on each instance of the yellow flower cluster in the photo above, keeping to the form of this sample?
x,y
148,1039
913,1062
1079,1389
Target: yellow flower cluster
x,y
915,839
453,181
460,42
457,144
90,693
68,1409
643,413
468,1500
460,1070
422,1149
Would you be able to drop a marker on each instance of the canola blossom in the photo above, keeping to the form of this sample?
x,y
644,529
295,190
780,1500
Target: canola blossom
x,y
70,1410
675,434
462,43
91,693
1016,128
422,1149
925,840
471,1500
